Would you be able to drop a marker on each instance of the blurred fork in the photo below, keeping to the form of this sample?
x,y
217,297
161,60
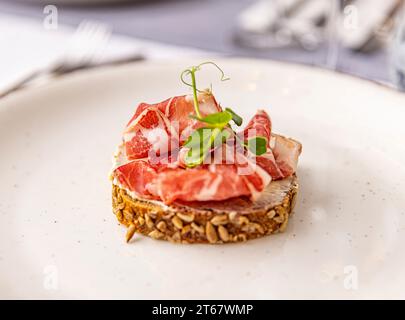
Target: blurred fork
x,y
83,51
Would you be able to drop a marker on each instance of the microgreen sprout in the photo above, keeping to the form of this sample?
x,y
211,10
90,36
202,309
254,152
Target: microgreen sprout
x,y
191,72
217,125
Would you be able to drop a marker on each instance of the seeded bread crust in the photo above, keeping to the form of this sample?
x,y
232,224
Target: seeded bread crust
x,y
233,220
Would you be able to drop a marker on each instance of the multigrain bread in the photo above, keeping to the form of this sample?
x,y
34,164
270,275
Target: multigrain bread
x,y
214,222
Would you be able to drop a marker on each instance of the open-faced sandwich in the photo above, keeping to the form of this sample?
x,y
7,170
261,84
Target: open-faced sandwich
x,y
183,173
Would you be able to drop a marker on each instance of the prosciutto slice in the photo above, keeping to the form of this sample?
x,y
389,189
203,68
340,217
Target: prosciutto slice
x,y
135,176
218,182
259,125
155,126
206,183
164,125
281,160
269,163
286,152
151,130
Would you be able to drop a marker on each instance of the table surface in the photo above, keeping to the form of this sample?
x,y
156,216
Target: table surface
x,y
202,24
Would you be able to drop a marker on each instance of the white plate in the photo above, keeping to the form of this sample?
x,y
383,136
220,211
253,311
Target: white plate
x,y
59,238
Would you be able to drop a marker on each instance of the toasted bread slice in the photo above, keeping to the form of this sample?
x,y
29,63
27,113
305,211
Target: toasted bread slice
x,y
232,220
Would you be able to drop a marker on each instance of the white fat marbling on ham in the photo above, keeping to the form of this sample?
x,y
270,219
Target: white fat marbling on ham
x,y
207,107
167,108
286,152
158,138
128,136
189,98
253,168
272,142
119,158
209,190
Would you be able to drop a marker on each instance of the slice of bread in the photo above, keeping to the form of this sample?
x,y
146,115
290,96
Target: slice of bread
x,y
227,221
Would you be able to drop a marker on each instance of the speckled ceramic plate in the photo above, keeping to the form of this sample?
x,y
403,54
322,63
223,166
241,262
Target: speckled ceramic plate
x,y
59,238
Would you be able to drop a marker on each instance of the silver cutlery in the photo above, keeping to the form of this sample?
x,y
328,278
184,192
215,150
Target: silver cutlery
x,y
83,51
358,23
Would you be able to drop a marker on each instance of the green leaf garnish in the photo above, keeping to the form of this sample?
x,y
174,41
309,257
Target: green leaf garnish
x,y
257,145
201,142
226,134
198,137
235,117
220,119
217,130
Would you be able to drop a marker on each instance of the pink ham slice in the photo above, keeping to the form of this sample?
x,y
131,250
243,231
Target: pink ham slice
x,y
183,106
218,182
149,131
213,182
168,120
280,161
136,176
259,125
178,109
286,152
270,165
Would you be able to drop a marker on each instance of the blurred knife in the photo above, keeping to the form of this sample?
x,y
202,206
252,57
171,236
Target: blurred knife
x,y
362,21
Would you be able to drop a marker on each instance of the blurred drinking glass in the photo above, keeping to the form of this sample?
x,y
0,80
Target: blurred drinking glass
x,y
398,52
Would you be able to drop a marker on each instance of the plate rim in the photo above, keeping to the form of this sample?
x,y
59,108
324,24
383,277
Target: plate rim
x,y
165,62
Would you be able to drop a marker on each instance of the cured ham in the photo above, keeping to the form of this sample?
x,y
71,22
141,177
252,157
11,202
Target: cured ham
x,y
218,182
259,125
269,163
207,183
160,129
180,107
286,152
151,130
281,160
136,176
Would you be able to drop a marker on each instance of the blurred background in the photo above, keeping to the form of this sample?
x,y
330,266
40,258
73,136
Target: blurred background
x,y
365,38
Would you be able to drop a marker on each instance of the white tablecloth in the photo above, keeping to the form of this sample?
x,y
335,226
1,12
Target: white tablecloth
x,y
26,46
